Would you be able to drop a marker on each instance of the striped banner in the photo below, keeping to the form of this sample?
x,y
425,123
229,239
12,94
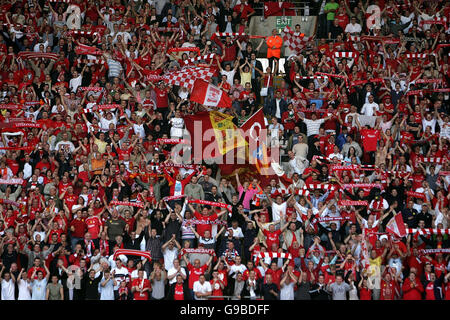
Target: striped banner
x,y
130,252
127,203
348,54
32,55
427,231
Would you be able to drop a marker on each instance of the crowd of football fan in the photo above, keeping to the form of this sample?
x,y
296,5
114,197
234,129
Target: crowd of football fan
x,y
377,117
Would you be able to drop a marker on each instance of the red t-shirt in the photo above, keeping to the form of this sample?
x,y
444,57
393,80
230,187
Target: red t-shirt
x,y
272,237
365,294
161,98
370,138
179,293
201,228
93,224
276,276
145,283
195,273
80,228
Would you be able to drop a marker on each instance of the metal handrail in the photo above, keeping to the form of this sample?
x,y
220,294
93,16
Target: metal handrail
x,y
230,297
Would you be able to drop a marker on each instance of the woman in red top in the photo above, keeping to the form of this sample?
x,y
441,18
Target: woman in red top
x,y
364,292
412,288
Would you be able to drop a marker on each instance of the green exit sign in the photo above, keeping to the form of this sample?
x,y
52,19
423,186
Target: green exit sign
x,y
283,22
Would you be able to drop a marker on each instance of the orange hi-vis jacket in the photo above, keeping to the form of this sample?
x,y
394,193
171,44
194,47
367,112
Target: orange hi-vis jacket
x,y
274,41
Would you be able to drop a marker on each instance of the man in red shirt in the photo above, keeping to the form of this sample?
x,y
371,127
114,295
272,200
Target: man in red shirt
x,y
196,270
162,101
204,216
412,288
141,287
370,139
94,225
276,273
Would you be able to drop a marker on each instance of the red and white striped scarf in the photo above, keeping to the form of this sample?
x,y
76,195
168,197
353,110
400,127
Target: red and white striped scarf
x,y
13,203
169,198
360,82
427,231
127,203
32,55
435,251
204,222
95,89
83,33
93,61
302,192
437,160
26,125
442,21
102,107
166,29
229,34
177,165
11,181
325,186
129,252
362,185
416,195
197,250
428,81
416,55
211,203
182,49
171,141
11,106
84,49
27,148
257,255
314,77
352,203
345,54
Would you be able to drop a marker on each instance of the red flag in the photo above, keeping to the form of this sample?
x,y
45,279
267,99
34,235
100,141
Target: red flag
x,y
396,226
209,95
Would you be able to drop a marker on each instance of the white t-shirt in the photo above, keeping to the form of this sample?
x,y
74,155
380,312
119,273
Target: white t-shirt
x,y
120,276
169,256
277,209
134,274
237,268
176,131
8,289
139,129
429,123
353,28
201,288
230,76
369,109
24,290
173,271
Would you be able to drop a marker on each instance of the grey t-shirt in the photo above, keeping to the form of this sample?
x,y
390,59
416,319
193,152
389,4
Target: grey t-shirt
x,y
339,292
158,288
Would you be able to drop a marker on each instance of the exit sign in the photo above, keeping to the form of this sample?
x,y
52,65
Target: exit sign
x,y
283,22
